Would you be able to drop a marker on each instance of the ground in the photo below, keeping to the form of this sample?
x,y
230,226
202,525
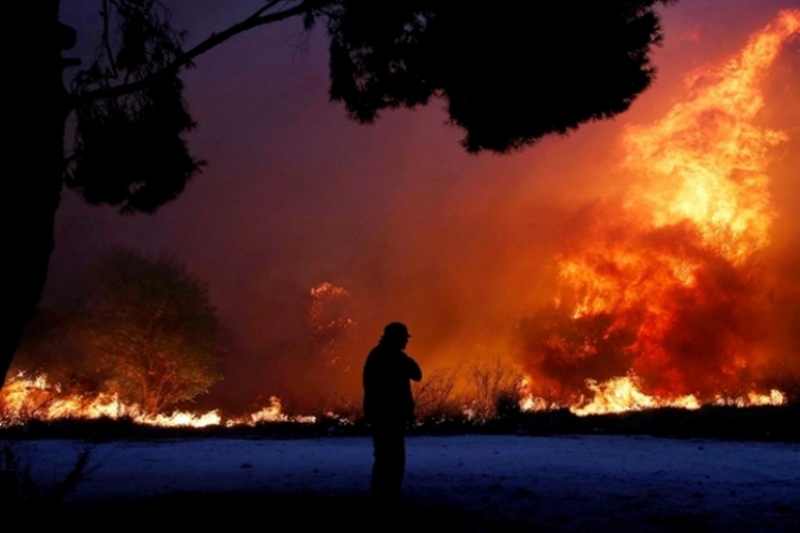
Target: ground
x,y
474,483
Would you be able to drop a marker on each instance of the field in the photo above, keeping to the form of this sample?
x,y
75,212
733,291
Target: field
x,y
466,482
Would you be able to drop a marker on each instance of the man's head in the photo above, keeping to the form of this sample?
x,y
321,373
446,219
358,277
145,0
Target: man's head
x,y
395,334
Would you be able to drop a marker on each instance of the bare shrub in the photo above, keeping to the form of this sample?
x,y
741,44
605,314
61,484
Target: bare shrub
x,y
434,397
496,386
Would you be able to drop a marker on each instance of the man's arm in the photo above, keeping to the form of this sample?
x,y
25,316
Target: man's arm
x,y
413,369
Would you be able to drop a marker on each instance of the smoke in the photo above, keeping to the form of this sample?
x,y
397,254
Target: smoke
x,y
468,251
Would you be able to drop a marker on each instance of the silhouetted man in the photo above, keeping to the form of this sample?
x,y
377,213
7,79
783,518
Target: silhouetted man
x,y
389,406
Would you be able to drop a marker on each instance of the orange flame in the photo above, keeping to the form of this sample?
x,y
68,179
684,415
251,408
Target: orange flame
x,y
707,156
623,394
646,288
663,285
25,398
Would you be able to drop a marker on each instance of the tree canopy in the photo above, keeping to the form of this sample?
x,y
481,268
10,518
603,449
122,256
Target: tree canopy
x,y
509,74
151,331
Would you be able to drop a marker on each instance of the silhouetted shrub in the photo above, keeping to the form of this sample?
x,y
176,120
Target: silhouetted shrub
x,y
18,485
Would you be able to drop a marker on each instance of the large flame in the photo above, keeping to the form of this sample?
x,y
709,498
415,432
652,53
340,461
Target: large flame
x,y
659,302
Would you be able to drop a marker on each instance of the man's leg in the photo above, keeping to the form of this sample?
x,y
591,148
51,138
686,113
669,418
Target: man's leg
x,y
398,466
378,467
390,460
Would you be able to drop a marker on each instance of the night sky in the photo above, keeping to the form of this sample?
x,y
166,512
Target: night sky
x,y
295,194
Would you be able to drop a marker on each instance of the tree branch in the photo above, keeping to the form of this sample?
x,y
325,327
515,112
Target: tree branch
x,y
107,37
215,39
267,7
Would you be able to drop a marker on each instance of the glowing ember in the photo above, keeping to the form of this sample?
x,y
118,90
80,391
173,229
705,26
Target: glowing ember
x,y
660,299
329,317
329,307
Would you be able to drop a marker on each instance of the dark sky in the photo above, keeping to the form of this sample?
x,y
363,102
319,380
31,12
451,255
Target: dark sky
x,y
295,194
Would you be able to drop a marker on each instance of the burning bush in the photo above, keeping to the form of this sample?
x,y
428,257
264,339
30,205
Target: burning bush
x,y
486,390
152,331
147,337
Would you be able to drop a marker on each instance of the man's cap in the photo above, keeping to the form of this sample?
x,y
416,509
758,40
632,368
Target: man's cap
x,y
396,330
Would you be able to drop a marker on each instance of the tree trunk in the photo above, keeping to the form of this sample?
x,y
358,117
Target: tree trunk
x,y
38,106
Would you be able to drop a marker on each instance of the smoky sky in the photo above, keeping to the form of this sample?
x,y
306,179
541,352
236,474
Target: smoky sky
x,y
295,194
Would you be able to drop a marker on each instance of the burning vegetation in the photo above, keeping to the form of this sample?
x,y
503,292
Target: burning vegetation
x,y
25,398
663,301
666,297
